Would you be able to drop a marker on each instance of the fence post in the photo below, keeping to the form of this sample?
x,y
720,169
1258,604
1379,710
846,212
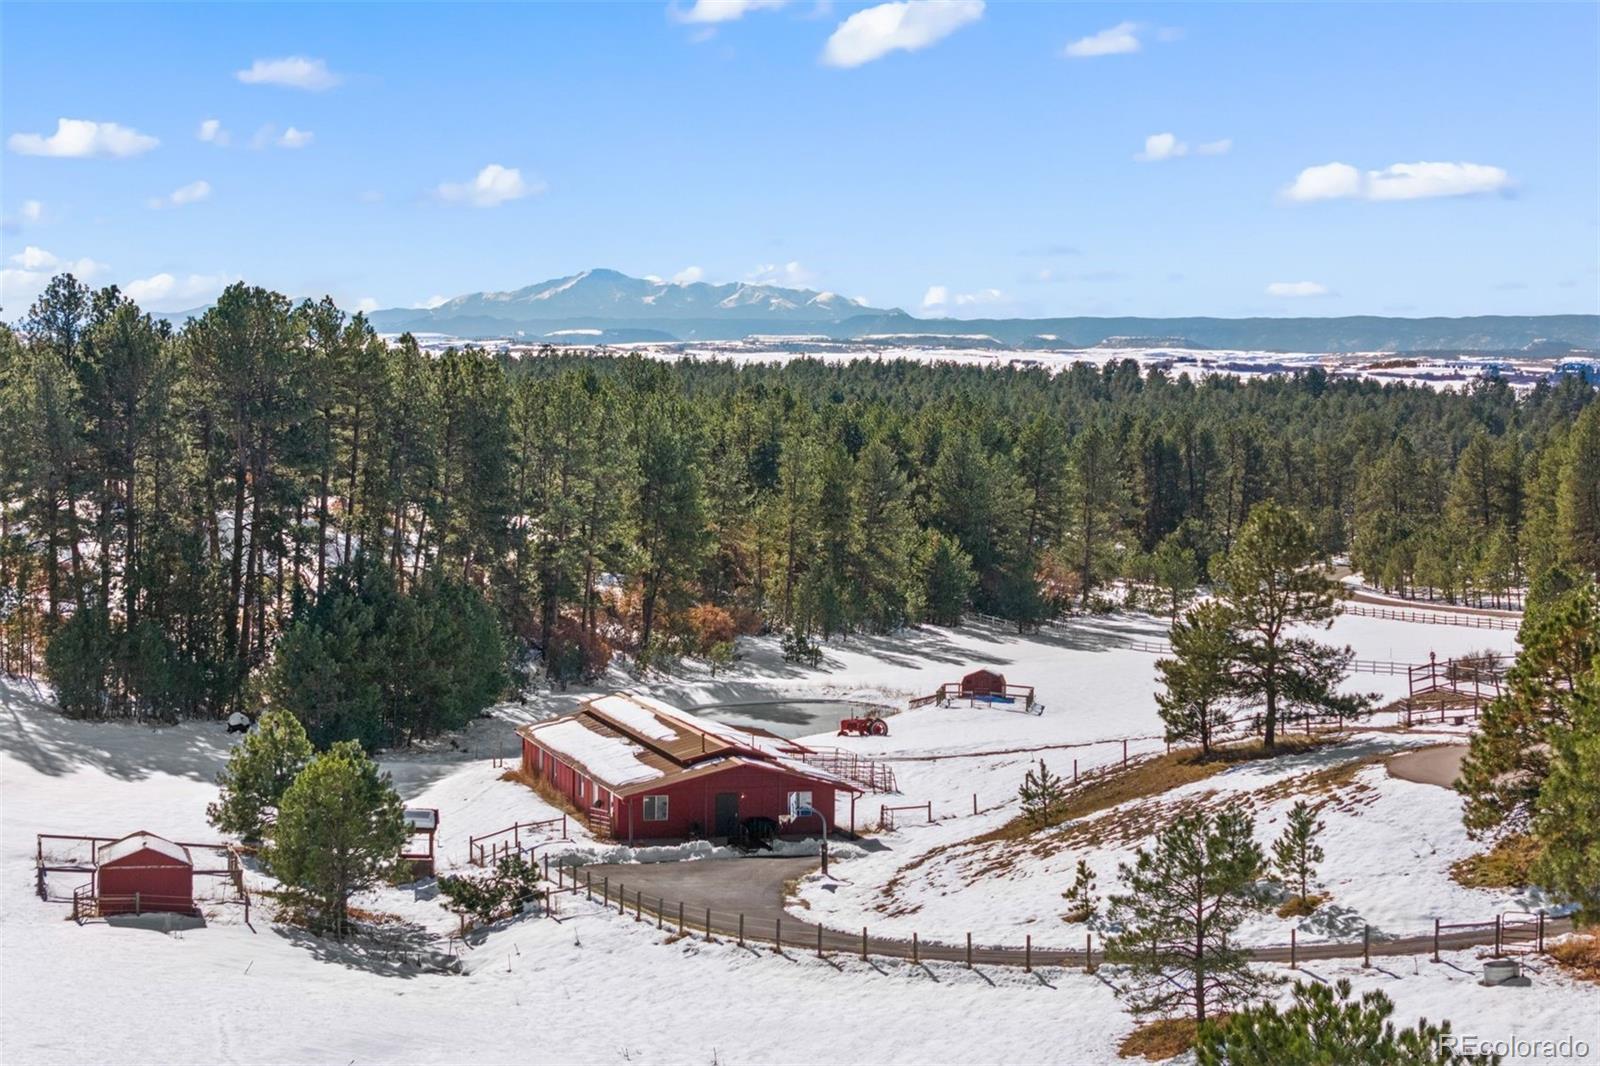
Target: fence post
x,y
605,889
638,905
1366,946
588,885
1293,962
661,909
1497,939
708,923
1088,953
930,812
547,867
1541,933
819,941
914,958
969,951
777,935
1074,771
1027,954
741,930
137,907
1124,753
863,943
681,927
974,803
622,898
1436,940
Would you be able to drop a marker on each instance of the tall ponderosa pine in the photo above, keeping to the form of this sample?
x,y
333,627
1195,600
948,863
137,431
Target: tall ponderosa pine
x,y
1182,902
1272,580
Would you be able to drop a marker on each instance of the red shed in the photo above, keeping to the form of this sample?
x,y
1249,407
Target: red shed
x,y
983,683
144,872
641,769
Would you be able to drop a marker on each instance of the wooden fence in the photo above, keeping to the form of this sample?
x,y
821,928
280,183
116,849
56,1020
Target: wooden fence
x,y
1503,933
1435,618
488,848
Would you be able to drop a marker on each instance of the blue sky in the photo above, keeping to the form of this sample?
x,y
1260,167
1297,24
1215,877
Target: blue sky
x,y
950,158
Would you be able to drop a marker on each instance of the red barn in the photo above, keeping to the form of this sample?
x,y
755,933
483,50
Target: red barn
x,y
643,770
983,683
144,872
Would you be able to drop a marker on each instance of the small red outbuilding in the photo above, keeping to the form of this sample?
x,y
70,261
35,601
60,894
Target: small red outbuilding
x,y
144,872
983,683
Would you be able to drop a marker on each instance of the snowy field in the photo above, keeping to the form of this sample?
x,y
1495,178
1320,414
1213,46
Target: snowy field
x,y
546,991
980,350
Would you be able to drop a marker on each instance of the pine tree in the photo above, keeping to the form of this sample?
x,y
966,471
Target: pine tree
x,y
948,579
1578,499
1043,796
260,769
1271,581
1183,901
1295,853
1325,1027
1566,819
339,830
1509,757
1096,504
1176,572
1082,904
1197,682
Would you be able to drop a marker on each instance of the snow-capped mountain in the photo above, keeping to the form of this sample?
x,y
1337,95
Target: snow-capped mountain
x,y
609,298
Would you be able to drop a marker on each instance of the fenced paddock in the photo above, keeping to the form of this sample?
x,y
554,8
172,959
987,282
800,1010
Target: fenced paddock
x,y
62,860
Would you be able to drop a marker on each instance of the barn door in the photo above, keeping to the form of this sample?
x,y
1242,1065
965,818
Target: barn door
x,y
727,810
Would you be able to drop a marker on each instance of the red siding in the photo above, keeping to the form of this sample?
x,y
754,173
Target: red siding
x,y
691,803
161,882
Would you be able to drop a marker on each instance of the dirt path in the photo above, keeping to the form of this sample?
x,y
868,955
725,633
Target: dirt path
x,y
743,899
1438,764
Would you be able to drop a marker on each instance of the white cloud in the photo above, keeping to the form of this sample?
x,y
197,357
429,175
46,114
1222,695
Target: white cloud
x,y
906,25
1296,288
175,293
21,284
293,138
790,273
1159,146
1112,41
940,298
367,305
1402,181
688,276
714,11
32,211
211,132
294,72
79,138
493,186
1417,181
191,193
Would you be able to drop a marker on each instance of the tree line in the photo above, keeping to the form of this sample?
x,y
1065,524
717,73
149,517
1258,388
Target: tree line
x,y
176,501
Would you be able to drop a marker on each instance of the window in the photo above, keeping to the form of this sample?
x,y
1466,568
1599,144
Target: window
x,y
799,801
655,808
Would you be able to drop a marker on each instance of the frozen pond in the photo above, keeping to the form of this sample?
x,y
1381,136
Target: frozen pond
x,y
786,718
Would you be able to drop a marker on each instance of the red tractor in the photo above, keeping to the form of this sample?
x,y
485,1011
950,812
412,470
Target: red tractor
x,y
870,724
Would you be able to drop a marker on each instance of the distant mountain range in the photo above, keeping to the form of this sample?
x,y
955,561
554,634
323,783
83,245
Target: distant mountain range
x,y
609,307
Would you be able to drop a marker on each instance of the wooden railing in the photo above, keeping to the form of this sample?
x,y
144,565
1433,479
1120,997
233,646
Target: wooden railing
x,y
1435,618
872,774
490,847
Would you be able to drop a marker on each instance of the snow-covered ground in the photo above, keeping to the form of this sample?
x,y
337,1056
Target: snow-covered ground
x,y
595,988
